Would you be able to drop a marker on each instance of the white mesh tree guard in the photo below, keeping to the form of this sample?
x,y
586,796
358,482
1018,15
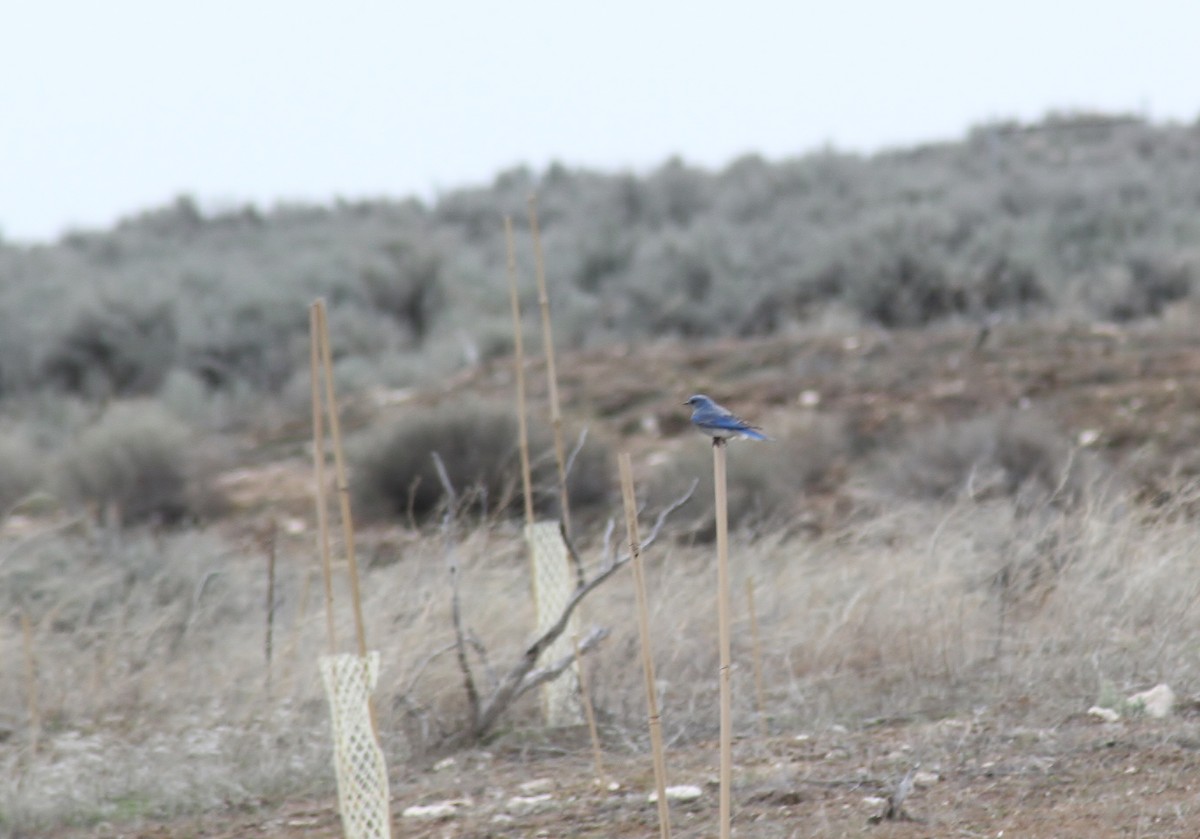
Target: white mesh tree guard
x,y
362,778
554,580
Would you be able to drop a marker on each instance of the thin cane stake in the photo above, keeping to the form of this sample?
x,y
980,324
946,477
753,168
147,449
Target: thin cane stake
x,y
586,695
723,631
318,422
551,375
757,642
31,683
639,582
519,352
269,640
343,487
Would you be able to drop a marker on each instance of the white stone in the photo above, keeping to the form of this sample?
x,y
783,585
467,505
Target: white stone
x,y
1158,702
683,792
529,803
440,810
1103,714
537,785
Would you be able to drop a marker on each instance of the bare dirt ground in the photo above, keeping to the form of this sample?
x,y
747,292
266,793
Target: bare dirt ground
x,y
1135,392
977,777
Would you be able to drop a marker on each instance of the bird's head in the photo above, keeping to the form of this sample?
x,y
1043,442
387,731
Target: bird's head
x,y
698,401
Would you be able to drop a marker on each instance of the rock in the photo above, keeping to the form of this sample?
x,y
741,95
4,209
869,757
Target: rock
x,y
537,785
683,792
440,810
1103,714
1158,702
925,778
530,803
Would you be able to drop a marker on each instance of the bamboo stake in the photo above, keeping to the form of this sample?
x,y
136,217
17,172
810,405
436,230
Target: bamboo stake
x,y
723,598
519,352
343,487
269,641
639,581
31,683
551,374
318,422
589,712
758,675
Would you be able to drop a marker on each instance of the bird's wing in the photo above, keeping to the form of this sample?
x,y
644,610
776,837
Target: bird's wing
x,y
726,420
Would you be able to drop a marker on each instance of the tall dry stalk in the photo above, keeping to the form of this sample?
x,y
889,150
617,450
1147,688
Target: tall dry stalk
x,y
639,582
318,425
756,639
723,598
269,640
519,362
586,695
560,456
31,682
343,486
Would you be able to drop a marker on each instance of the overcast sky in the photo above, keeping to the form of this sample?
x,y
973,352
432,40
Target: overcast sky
x,y
110,107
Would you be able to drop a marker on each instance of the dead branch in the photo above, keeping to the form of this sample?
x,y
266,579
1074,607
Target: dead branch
x,y
895,800
575,452
460,635
517,680
541,675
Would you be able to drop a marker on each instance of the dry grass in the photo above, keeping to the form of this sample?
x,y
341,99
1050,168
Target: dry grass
x,y
153,687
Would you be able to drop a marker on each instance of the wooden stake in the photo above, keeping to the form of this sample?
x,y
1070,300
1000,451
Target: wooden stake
x,y
639,581
519,361
31,683
723,598
586,697
318,422
268,643
560,456
343,486
758,676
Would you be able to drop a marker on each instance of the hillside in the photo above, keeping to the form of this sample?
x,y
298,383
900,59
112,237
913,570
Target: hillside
x,y
1080,216
979,366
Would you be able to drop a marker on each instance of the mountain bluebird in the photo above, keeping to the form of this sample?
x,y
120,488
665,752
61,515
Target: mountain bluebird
x,y
720,423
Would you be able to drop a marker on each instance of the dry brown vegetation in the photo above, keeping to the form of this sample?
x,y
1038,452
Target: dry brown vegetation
x,y
957,606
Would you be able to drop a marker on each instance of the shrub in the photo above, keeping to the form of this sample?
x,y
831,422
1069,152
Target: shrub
x,y
20,469
117,349
138,457
394,473
1012,453
409,288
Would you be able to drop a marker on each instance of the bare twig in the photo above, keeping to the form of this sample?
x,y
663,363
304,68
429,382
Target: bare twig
x,y
606,544
518,679
895,800
482,653
549,672
575,452
576,560
460,635
424,663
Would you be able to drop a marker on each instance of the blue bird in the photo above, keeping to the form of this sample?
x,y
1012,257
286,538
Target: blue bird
x,y
720,423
